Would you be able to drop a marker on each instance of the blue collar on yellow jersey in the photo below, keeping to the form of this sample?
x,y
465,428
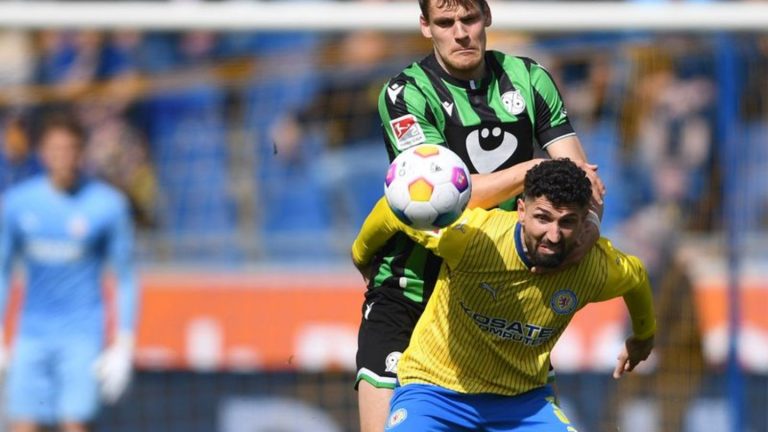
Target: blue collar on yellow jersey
x,y
519,246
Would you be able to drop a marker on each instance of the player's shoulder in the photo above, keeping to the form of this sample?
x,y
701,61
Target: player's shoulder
x,y
496,220
605,251
511,60
24,189
409,76
105,191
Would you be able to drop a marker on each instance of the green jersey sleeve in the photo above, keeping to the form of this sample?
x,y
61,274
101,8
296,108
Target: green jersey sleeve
x,y
551,116
406,117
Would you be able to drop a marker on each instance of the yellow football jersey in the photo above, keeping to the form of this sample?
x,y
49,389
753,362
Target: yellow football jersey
x,y
491,323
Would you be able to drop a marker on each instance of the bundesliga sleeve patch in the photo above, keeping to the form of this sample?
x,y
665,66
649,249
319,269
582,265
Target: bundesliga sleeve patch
x,y
408,131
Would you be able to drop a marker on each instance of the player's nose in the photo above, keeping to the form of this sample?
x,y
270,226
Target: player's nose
x,y
459,30
553,235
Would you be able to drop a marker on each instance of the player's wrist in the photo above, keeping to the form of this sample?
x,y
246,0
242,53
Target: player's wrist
x,y
645,336
124,340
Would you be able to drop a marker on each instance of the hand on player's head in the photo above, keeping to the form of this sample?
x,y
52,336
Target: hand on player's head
x,y
598,187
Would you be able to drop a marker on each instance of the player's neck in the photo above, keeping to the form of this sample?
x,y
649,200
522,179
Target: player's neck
x,y
65,183
475,75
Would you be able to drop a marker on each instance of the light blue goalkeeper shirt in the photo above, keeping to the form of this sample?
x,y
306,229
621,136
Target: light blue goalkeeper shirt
x,y
65,240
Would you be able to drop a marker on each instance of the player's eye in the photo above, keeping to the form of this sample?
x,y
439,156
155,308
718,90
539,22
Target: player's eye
x,y
470,19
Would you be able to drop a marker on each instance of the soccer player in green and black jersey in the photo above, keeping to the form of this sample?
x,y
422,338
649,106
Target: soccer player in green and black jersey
x,y
489,108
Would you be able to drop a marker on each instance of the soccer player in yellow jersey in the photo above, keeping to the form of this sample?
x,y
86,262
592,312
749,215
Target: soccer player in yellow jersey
x,y
479,356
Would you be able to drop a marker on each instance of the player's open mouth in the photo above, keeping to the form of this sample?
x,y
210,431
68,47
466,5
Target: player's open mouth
x,y
549,249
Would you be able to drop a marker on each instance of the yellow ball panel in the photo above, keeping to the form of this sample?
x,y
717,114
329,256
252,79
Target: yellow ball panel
x,y
420,190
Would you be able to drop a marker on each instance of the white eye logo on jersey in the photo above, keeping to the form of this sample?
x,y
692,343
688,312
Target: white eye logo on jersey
x,y
486,161
513,102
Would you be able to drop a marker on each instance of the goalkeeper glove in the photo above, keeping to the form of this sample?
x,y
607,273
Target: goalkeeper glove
x,y
114,367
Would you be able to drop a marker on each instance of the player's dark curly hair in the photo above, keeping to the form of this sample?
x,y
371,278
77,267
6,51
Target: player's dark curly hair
x,y
561,181
466,4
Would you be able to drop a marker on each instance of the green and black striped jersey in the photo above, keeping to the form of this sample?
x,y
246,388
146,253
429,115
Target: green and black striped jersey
x,y
491,124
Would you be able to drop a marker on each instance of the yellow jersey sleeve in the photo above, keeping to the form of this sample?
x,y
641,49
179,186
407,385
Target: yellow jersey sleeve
x,y
628,278
381,224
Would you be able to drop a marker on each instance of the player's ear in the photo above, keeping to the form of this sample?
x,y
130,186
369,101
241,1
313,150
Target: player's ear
x,y
425,30
487,14
520,210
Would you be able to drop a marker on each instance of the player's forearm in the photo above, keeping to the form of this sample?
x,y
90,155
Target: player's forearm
x,y
490,190
374,234
5,282
128,295
639,302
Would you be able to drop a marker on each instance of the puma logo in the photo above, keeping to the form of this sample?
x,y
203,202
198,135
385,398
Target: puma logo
x,y
486,161
488,287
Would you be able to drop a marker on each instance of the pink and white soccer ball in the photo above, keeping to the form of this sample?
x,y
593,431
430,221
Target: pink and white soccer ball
x,y
427,186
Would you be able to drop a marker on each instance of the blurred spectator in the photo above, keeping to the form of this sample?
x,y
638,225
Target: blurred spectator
x,y
16,58
344,117
668,127
17,156
116,152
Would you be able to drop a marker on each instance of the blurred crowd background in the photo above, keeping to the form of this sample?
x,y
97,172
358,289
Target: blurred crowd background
x,y
261,152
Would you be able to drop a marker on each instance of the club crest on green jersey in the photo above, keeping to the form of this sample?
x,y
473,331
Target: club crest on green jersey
x,y
513,102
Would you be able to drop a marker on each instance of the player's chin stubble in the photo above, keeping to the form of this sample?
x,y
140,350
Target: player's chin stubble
x,y
547,260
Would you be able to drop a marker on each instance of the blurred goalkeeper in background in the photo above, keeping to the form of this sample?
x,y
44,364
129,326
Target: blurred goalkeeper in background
x,y
65,227
490,109
479,356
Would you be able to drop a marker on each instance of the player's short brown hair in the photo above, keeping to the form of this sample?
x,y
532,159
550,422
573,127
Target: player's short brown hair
x,y
63,120
466,4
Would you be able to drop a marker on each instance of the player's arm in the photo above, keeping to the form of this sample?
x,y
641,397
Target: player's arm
x,y
381,224
490,190
555,133
121,254
628,278
570,147
7,251
115,364
557,137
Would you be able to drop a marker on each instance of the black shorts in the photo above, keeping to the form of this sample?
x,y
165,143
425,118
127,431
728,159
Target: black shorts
x,y
388,319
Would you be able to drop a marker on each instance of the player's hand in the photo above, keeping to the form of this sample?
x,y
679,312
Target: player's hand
x,y
635,350
589,236
598,187
114,368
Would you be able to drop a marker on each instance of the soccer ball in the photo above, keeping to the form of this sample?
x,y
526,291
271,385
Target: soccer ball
x,y
427,186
